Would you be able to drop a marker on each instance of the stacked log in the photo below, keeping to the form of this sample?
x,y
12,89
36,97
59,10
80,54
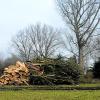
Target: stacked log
x,y
35,67
15,74
18,74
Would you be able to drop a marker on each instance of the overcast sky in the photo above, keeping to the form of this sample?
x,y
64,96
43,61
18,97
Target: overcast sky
x,y
18,14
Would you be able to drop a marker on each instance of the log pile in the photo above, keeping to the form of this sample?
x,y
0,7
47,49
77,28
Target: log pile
x,y
15,74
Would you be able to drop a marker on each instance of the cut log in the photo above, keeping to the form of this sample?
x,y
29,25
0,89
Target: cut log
x,y
18,74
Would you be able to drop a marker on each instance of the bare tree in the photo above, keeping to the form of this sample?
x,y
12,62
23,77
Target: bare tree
x,y
1,60
11,60
82,18
37,42
44,40
95,46
21,44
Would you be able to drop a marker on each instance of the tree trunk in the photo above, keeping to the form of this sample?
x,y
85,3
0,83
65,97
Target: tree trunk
x,y
81,59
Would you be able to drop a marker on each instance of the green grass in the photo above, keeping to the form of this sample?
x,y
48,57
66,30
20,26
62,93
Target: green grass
x,y
49,95
90,85
52,87
82,85
33,92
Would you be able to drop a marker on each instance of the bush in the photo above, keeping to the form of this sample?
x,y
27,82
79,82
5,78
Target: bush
x,y
88,78
39,80
58,72
96,70
67,74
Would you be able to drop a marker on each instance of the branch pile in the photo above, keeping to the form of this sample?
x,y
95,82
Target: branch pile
x,y
15,74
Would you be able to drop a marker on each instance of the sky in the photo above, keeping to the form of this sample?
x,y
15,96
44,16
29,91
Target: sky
x,y
16,15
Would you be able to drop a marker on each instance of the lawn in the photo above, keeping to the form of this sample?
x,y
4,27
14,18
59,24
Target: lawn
x,y
53,87
50,95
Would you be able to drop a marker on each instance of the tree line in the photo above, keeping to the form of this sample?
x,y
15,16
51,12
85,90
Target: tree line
x,y
45,44
42,41
82,19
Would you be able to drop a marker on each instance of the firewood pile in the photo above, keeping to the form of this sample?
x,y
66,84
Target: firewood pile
x,y
18,74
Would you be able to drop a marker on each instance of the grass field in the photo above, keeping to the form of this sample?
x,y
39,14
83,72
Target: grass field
x,y
50,95
53,87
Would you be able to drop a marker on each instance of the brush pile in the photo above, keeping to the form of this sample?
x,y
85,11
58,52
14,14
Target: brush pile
x,y
15,74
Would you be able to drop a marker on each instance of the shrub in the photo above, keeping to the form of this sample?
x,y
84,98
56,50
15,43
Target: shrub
x,y
96,70
58,72
88,78
39,80
68,73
